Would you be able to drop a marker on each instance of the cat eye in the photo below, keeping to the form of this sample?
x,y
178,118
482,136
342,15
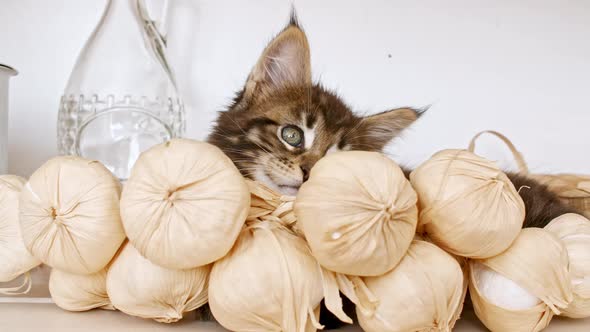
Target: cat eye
x,y
292,135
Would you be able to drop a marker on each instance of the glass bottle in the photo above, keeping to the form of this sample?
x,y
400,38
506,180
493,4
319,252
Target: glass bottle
x,y
121,97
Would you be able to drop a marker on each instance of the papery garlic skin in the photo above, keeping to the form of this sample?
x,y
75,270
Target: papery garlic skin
x,y
358,213
535,266
69,214
184,204
268,282
502,291
425,292
574,232
15,259
74,292
141,288
468,206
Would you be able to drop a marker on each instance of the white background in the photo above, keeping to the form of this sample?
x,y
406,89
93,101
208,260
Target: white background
x,y
520,67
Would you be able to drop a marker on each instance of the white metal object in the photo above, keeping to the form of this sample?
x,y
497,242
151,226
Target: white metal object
x,y
5,74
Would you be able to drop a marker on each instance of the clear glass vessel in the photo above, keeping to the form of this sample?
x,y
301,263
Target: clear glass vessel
x,y
121,97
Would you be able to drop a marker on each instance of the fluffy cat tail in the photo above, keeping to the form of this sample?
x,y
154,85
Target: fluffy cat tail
x,y
541,205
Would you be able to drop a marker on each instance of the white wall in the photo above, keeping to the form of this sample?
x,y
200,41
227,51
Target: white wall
x,y
520,67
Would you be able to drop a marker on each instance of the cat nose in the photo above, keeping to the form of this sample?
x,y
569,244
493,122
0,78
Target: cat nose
x,y
306,165
305,171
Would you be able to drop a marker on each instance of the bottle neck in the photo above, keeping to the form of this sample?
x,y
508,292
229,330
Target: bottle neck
x,y
118,13
125,54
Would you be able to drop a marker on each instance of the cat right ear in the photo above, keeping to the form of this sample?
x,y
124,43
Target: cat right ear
x,y
285,62
378,130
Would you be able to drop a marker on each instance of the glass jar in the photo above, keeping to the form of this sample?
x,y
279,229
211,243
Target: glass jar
x,y
121,97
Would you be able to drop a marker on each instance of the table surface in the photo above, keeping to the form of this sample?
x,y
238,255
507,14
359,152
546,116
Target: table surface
x,y
47,317
21,317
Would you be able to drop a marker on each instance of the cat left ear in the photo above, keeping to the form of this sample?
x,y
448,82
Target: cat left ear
x,y
285,62
380,129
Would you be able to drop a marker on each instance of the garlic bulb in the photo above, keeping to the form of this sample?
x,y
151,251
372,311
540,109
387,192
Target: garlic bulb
x,y
74,292
358,213
425,292
184,204
267,204
468,206
15,259
501,291
574,232
69,215
268,282
140,288
533,284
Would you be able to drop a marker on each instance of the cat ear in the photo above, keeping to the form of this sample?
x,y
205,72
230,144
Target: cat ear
x,y
284,62
379,129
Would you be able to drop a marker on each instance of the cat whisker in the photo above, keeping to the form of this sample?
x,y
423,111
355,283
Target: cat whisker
x,y
240,152
363,136
242,161
221,135
248,168
245,157
365,146
241,157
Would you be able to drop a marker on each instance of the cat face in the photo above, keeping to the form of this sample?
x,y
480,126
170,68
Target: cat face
x,y
281,123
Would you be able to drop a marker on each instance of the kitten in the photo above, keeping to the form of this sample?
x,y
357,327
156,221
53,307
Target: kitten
x,y
282,123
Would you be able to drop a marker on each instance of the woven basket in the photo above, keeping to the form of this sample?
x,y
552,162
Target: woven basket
x,y
572,189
